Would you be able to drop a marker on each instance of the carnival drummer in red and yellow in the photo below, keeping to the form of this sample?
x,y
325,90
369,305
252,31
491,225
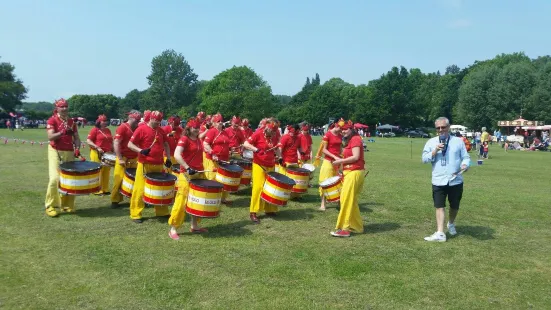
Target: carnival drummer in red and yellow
x,y
64,146
100,141
149,141
263,143
173,134
350,219
236,137
216,147
289,149
331,148
305,148
126,158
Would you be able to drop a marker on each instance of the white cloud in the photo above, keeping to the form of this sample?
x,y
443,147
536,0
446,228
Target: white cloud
x,y
460,23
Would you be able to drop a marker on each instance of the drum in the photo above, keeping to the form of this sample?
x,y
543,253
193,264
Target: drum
x,y
247,166
301,177
128,182
108,159
310,168
277,188
204,198
229,176
159,188
79,178
331,189
248,154
175,170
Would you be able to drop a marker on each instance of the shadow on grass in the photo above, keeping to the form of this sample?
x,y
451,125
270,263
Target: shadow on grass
x,y
293,214
236,229
242,202
380,227
243,191
477,232
104,211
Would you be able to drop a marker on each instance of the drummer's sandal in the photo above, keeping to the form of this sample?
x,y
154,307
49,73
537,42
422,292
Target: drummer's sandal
x,y
51,212
173,235
199,230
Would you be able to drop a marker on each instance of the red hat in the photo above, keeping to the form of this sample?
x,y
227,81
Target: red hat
x,y
61,103
344,125
146,115
156,115
101,118
193,123
270,124
305,127
235,120
201,115
134,115
290,129
245,122
217,118
174,119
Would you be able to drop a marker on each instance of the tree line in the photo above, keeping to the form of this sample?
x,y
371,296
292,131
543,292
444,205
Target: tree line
x,y
502,88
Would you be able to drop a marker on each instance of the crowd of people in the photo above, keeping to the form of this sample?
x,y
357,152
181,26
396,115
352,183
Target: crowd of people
x,y
205,143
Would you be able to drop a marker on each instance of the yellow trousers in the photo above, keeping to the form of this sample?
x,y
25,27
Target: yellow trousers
x,y
104,172
257,204
327,170
136,202
209,164
349,216
118,176
178,214
53,197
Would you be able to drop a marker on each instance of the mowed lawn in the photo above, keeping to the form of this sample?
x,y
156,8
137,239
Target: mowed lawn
x,y
98,259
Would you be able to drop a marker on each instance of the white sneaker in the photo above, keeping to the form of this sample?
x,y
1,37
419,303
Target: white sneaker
x,y
437,236
451,229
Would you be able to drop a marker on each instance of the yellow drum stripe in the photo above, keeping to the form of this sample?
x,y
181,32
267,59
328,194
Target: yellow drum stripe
x,y
206,208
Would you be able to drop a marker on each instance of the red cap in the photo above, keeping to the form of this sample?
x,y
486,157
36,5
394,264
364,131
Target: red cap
x,y
146,115
235,120
193,123
156,115
245,122
134,115
217,118
344,125
201,115
290,129
174,119
101,118
61,103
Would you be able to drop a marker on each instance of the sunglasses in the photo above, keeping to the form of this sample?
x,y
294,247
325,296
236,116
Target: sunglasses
x,y
442,128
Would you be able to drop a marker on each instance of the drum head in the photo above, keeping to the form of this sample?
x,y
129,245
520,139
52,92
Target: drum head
x,y
248,154
160,176
79,166
300,170
243,162
281,178
175,168
231,168
131,172
206,183
331,180
109,156
309,167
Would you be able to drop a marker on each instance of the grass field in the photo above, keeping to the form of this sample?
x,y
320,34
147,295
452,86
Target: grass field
x,y
98,259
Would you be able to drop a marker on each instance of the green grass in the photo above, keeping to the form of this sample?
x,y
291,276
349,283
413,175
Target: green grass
x,y
98,259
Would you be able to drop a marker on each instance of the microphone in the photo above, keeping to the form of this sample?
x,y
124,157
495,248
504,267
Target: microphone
x,y
443,140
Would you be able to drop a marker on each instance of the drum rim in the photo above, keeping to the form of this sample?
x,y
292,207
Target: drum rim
x,y
324,182
194,181
300,169
170,176
223,166
281,174
87,162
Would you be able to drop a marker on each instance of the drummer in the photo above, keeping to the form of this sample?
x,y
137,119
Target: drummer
x,y
64,146
305,146
288,148
217,149
145,118
353,163
126,158
100,141
236,137
149,141
173,134
331,148
245,129
263,143
188,155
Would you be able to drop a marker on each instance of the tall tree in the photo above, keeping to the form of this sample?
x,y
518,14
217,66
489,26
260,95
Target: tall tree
x,y
90,106
172,83
12,90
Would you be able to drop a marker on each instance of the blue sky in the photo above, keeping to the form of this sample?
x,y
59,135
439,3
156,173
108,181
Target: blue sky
x,y
61,48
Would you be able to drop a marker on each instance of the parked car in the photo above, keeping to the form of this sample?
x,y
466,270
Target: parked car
x,y
416,134
388,134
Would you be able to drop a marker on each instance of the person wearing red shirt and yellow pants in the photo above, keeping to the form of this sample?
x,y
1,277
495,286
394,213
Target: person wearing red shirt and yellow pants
x,y
100,141
173,134
126,158
64,146
353,163
263,143
331,148
305,145
236,137
216,147
245,129
189,155
149,141
288,147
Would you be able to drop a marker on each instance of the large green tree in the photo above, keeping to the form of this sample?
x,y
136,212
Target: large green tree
x,y
12,90
90,106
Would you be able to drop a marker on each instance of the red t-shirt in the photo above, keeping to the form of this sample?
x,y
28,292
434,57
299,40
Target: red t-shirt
x,y
247,132
192,153
305,145
219,143
289,147
333,144
102,138
172,141
260,141
65,142
146,137
236,137
355,141
123,135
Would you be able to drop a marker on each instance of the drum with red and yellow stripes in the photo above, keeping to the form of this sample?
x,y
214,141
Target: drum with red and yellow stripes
x,y
331,189
79,178
247,166
204,198
159,188
301,177
229,176
128,182
277,188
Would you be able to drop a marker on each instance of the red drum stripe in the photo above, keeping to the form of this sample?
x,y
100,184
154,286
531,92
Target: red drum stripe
x,y
202,213
273,201
159,182
78,192
158,202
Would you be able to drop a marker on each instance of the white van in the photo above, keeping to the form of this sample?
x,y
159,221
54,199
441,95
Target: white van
x,y
459,128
